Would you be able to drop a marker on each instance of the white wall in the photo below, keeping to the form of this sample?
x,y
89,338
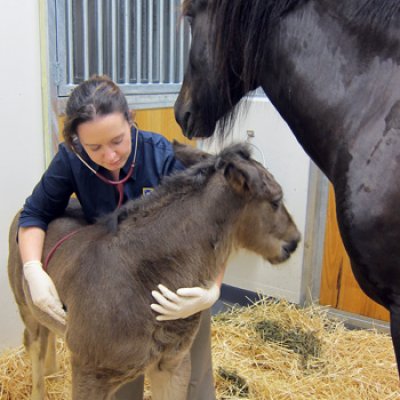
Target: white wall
x,y
290,165
21,127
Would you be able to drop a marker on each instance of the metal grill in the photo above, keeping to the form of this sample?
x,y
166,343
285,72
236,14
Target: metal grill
x,y
141,44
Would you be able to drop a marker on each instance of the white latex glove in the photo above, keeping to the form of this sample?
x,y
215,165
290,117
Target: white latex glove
x,y
184,303
43,292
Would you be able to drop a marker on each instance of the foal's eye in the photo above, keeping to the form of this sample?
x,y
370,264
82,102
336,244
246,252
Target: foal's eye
x,y
275,204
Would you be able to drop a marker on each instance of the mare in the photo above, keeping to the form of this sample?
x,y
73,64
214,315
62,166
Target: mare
x,y
181,236
332,70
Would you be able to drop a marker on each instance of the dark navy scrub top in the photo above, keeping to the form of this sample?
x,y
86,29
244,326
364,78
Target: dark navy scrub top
x,y
66,174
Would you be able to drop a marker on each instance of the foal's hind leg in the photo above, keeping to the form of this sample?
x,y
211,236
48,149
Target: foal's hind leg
x,y
51,365
35,341
170,379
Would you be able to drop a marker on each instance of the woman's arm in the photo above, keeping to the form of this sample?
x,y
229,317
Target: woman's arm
x,y
30,241
43,292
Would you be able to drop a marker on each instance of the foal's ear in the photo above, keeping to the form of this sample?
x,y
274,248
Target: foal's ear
x,y
248,180
188,155
242,179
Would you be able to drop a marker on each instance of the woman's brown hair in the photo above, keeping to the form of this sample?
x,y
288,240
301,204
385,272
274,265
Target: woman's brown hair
x,y
96,96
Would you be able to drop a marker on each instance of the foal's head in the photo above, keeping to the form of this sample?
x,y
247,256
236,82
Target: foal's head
x,y
263,224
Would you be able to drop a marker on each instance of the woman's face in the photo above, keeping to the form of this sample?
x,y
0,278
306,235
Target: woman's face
x,y
107,140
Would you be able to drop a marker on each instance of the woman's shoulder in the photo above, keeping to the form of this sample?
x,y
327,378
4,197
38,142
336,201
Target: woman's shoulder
x,y
65,158
64,150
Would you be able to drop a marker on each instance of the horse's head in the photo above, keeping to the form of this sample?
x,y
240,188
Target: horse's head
x,y
228,54
212,84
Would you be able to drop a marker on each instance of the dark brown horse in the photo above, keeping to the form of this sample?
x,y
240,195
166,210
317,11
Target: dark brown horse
x,y
180,235
332,70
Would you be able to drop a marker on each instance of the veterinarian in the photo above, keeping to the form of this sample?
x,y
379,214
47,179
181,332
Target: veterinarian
x,y
106,161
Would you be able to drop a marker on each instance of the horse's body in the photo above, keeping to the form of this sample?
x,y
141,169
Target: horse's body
x,y
180,236
332,70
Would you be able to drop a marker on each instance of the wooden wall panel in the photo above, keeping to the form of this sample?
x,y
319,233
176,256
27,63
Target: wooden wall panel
x,y
161,120
339,288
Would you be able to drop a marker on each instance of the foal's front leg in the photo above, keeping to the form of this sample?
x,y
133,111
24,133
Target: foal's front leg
x,y
90,384
169,379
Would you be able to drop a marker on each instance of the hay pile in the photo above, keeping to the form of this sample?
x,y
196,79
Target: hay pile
x,y
15,375
269,351
276,351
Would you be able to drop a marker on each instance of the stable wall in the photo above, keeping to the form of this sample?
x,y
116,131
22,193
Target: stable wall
x,y
21,130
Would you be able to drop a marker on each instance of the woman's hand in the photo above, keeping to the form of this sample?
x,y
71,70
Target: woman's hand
x,y
43,292
184,303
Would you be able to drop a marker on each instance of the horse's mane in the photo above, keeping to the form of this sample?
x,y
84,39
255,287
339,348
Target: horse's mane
x,y
174,187
253,20
250,21
247,24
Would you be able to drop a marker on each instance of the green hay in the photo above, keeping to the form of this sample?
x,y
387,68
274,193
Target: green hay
x,y
237,384
302,342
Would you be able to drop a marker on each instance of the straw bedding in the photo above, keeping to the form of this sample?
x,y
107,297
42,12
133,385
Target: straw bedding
x,y
268,351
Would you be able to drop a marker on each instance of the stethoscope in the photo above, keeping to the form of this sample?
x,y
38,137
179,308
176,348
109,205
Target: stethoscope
x,y
118,184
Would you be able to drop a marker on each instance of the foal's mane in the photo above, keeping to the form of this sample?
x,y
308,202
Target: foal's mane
x,y
175,187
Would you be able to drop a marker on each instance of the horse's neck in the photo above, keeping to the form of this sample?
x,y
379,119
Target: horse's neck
x,y
324,84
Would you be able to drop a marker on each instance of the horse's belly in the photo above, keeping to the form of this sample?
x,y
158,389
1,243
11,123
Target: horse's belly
x,y
370,226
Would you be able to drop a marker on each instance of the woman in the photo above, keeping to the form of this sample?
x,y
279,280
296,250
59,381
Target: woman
x,y
106,161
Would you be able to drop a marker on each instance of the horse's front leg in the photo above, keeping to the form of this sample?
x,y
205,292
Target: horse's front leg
x,y
395,330
169,379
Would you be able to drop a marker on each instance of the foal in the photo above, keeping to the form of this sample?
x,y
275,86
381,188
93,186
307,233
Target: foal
x,y
181,236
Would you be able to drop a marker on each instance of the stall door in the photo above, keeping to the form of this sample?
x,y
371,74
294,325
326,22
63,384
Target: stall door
x,y
339,288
